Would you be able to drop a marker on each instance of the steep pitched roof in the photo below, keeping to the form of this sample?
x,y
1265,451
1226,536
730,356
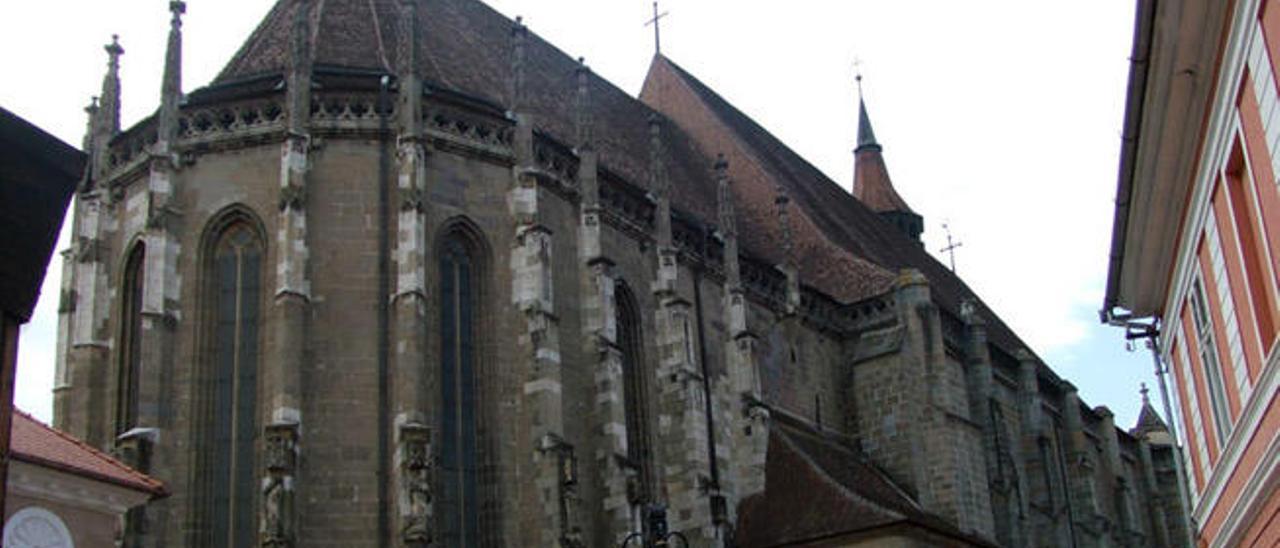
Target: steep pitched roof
x,y
817,488
466,48
33,442
840,218
871,182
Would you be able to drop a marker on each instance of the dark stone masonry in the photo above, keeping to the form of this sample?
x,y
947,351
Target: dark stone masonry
x,y
407,275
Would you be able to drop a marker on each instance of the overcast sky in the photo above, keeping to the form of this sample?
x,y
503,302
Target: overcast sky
x,y
1000,118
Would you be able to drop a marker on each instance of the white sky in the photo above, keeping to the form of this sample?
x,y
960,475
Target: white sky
x,y
999,117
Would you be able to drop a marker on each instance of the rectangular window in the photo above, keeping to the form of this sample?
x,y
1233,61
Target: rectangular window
x,y
1253,252
1209,361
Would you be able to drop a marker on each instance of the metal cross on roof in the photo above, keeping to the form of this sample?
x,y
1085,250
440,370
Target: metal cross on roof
x,y
951,246
657,36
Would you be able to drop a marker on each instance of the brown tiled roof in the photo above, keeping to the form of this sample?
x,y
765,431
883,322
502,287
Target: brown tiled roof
x,y
817,488
466,48
844,248
872,185
841,218
33,442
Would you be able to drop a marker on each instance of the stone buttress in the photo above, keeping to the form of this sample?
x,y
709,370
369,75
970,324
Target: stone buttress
x,y
748,416
533,295
414,389
680,393
291,306
89,300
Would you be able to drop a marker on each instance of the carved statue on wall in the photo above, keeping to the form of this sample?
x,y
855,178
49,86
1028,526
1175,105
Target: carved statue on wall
x,y
416,468
276,527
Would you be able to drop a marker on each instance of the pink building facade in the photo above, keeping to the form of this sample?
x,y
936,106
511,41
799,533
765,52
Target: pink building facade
x,y
1196,248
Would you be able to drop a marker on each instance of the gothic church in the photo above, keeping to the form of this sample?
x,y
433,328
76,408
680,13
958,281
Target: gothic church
x,y
405,274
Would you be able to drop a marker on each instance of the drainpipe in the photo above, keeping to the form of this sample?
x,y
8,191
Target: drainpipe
x,y
384,296
1152,335
716,497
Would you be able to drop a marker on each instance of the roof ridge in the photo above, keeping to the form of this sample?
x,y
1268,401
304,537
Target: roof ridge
x,y
692,83
155,484
880,243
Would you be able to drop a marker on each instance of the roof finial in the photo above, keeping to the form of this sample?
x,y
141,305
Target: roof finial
x,y
951,246
1145,400
857,76
582,119
519,34
171,85
657,34
866,136
108,114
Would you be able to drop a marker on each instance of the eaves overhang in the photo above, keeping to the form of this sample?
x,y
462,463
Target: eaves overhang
x,y
1173,67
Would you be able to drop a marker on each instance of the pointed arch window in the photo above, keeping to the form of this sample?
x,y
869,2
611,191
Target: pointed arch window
x,y
459,502
235,293
130,340
635,388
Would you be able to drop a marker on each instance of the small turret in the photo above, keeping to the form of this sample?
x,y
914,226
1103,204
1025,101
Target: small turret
x,y
871,182
1150,426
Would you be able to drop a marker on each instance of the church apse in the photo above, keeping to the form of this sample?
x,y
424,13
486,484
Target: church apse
x,y
437,284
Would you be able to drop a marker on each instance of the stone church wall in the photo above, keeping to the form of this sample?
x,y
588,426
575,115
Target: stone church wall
x,y
921,393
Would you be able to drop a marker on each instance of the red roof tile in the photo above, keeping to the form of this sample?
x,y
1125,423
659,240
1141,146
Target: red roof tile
x,y
840,218
33,442
818,488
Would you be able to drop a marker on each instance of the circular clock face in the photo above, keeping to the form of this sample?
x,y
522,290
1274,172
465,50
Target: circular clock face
x,y
35,527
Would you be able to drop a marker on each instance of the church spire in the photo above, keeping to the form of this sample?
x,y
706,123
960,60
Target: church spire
x,y
866,135
871,182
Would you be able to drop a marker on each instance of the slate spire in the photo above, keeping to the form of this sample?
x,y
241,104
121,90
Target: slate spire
x,y
871,183
866,135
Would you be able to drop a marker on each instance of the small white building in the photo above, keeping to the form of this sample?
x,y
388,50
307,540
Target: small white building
x,y
63,493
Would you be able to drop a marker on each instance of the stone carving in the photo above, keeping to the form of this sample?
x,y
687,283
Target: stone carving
x,y
412,199
570,529
416,467
277,485
292,196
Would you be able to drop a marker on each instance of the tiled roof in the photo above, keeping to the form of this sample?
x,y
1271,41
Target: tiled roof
x,y
33,442
818,488
466,48
842,219
843,248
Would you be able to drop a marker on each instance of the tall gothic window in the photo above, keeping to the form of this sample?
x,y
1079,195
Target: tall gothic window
x,y
235,293
459,502
635,388
130,341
